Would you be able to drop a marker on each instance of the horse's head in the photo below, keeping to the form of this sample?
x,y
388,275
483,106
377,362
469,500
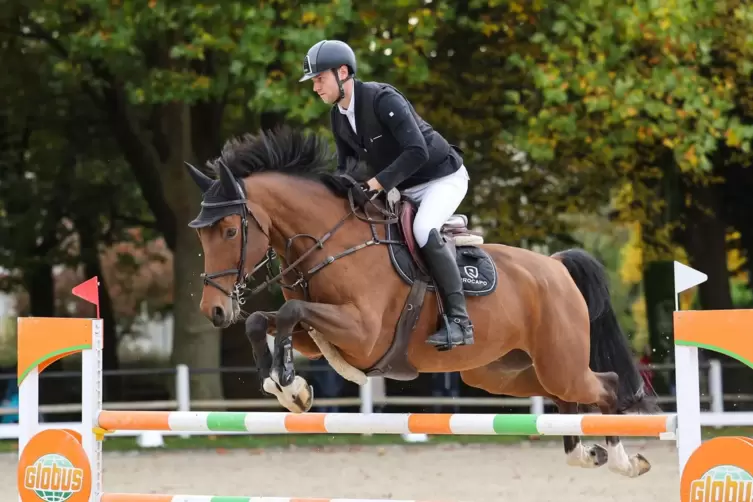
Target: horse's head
x,y
234,235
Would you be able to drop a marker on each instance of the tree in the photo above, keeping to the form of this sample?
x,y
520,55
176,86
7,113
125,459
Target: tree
x,y
165,77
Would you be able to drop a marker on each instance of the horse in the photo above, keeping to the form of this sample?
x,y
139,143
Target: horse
x,y
356,292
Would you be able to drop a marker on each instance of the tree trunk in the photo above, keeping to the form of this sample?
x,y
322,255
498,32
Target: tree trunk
x,y
746,240
174,200
705,242
93,268
40,286
196,342
658,284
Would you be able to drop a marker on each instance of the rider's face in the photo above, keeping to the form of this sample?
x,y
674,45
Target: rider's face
x,y
325,85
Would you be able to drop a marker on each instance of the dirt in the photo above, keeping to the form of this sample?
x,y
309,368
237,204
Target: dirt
x,y
474,473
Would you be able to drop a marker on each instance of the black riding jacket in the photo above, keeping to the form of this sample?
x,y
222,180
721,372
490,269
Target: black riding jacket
x,y
399,147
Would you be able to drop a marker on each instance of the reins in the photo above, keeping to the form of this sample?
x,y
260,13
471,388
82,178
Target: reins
x,y
303,278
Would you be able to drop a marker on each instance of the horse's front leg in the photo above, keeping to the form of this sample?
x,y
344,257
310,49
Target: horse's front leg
x,y
258,325
342,325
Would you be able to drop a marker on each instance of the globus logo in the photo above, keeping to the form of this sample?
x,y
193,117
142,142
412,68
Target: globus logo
x,y
725,483
53,478
54,467
719,471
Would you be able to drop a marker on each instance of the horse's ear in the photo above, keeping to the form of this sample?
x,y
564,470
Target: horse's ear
x,y
201,179
229,186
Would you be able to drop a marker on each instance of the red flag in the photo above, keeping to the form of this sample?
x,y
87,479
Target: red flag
x,y
89,291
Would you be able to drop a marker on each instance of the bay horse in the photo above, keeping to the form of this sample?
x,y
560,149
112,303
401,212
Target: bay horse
x,y
355,289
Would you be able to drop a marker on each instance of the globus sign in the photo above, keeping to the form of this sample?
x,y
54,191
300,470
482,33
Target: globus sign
x,y
54,468
720,470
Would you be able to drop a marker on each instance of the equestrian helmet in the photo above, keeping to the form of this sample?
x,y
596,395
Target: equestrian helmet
x,y
327,55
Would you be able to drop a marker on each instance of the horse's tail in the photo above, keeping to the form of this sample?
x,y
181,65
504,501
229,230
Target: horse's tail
x,y
609,345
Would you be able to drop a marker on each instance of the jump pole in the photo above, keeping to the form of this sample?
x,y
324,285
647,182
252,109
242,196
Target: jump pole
x,y
60,464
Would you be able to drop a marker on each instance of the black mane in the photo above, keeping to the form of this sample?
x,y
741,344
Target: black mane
x,y
283,150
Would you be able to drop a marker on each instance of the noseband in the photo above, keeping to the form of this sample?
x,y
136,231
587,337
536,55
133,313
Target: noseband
x,y
240,278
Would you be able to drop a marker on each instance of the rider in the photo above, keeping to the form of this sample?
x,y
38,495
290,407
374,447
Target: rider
x,y
375,123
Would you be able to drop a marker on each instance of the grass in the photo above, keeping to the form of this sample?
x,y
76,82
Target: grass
x,y
328,440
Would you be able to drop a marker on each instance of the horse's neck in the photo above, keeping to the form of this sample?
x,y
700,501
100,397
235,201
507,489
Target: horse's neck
x,y
297,206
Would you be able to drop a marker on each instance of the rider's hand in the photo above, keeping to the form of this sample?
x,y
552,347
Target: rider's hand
x,y
375,185
362,194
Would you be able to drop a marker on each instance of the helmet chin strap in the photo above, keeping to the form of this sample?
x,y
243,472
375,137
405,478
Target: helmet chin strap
x,y
340,85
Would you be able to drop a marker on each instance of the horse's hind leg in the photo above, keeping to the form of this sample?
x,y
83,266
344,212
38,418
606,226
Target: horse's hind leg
x,y
596,351
571,381
619,460
577,453
498,378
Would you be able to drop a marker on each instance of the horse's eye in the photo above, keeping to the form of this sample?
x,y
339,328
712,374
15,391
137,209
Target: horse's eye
x,y
231,232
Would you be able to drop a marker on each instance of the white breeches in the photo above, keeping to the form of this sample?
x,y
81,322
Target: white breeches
x,y
437,200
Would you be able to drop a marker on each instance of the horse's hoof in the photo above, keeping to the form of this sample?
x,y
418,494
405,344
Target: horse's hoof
x,y
641,465
303,396
631,467
298,397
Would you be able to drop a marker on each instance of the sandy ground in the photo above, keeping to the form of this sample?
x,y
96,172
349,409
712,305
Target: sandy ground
x,y
477,473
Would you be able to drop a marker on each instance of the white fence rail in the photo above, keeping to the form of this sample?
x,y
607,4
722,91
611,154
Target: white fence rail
x,y
372,394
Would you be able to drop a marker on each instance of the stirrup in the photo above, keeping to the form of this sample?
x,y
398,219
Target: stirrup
x,y
446,333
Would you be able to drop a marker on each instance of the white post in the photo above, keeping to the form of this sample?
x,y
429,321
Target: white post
x,y
688,393
28,410
537,405
716,388
183,390
366,393
91,404
687,375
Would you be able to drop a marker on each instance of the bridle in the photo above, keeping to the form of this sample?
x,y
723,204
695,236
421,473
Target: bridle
x,y
241,279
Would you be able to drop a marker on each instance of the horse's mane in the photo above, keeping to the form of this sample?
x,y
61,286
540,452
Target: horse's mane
x,y
285,150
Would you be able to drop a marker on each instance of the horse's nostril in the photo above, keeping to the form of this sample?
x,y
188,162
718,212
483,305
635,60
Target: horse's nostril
x,y
218,315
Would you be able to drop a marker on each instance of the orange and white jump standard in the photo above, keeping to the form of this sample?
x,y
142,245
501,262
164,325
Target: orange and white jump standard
x,y
62,465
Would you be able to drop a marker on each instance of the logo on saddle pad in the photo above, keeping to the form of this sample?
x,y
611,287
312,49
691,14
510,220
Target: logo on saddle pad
x,y
471,276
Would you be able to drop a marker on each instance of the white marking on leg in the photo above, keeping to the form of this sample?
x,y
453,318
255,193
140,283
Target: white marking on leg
x,y
581,457
621,463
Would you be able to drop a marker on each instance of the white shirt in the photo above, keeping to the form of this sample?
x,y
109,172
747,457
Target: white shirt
x,y
350,113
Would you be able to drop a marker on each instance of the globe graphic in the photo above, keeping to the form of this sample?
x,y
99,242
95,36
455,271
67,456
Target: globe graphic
x,y
49,495
721,472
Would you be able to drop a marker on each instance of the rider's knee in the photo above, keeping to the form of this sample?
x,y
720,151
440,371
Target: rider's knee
x,y
421,232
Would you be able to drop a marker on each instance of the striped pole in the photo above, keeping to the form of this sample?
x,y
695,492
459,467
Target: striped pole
x,y
390,423
135,497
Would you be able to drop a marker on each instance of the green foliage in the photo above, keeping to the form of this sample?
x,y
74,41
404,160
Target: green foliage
x,y
608,78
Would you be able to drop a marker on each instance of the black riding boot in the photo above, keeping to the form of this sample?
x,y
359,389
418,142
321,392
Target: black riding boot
x,y
457,329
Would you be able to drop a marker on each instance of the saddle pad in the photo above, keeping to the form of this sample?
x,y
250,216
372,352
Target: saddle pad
x,y
476,267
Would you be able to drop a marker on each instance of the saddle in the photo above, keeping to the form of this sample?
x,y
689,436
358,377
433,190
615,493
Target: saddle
x,y
477,271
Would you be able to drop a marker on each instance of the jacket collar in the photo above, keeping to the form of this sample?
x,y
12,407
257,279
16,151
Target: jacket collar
x,y
361,107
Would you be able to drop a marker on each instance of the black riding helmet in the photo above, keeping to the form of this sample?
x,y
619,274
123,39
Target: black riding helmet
x,y
329,55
